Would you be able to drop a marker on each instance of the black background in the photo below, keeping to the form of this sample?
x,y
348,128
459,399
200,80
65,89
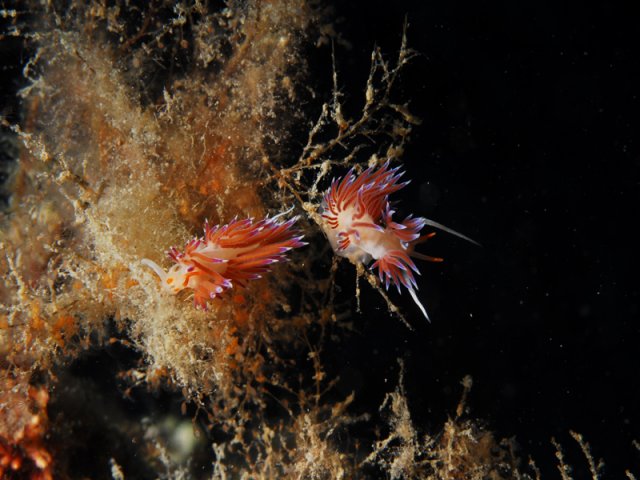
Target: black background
x,y
528,145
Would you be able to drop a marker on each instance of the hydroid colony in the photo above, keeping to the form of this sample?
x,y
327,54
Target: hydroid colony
x,y
138,125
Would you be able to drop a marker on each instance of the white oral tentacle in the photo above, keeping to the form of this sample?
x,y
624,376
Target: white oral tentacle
x,y
444,228
155,267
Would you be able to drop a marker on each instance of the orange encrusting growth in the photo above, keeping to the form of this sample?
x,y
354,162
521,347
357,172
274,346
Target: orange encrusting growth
x,y
237,252
23,427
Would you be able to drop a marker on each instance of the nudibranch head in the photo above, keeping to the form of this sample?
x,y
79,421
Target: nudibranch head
x,y
227,256
358,221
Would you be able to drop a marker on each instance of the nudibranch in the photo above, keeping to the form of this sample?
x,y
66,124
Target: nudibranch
x,y
227,256
358,221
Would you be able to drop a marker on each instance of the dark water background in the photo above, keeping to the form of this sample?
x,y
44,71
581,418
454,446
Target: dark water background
x,y
529,144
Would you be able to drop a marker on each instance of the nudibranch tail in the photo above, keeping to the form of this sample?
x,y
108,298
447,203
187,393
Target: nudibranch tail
x,y
414,295
397,268
358,221
228,255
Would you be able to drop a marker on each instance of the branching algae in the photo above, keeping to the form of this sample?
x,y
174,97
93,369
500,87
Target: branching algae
x,y
138,125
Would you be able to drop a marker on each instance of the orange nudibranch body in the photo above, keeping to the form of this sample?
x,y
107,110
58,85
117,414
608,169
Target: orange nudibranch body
x,y
228,255
358,221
